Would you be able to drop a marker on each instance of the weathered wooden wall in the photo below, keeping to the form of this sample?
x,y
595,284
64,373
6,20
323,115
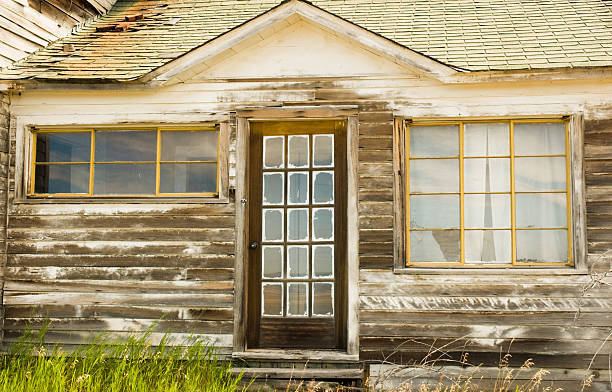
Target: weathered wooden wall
x,y
4,169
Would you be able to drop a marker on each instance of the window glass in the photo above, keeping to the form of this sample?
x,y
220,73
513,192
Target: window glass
x,y
126,146
188,146
63,147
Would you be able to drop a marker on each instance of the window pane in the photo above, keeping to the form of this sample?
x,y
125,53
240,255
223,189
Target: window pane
x,y
272,299
189,145
434,212
323,224
434,246
541,210
323,154
297,299
298,224
323,261
188,178
297,261
61,179
323,299
272,225
486,139
540,174
488,246
273,188
539,138
323,188
63,147
273,152
272,261
487,174
434,141
487,211
537,246
434,175
298,151
128,146
124,179
298,188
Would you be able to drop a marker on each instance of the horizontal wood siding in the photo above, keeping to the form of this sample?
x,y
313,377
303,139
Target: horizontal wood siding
x,y
4,167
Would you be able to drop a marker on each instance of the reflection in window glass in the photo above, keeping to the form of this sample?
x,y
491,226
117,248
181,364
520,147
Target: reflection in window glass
x,y
488,246
189,145
272,225
541,246
273,188
486,139
62,179
297,221
487,175
297,299
63,147
272,299
323,224
434,212
540,174
434,176
434,246
188,178
539,138
273,152
541,210
434,141
323,192
488,211
298,151
297,257
323,261
323,150
124,179
323,299
272,261
126,146
298,187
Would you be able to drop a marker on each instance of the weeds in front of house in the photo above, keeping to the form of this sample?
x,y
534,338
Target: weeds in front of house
x,y
102,365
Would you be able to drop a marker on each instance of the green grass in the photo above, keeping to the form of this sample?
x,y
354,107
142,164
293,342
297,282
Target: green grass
x,y
133,365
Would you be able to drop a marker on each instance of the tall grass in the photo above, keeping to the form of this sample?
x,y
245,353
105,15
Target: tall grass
x,y
133,365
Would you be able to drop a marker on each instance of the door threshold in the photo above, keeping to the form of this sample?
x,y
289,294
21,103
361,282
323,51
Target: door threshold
x,y
298,355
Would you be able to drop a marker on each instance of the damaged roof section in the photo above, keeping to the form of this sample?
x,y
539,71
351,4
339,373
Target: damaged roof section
x,y
476,35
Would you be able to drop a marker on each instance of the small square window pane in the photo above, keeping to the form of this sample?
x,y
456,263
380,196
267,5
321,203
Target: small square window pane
x,y
488,246
540,174
432,141
273,152
539,138
297,299
323,187
189,145
547,210
486,139
273,225
126,146
434,175
323,224
124,179
434,246
297,224
434,212
323,261
298,187
322,299
487,174
487,211
61,179
272,299
541,246
188,178
298,151
323,151
297,261
63,146
273,188
272,257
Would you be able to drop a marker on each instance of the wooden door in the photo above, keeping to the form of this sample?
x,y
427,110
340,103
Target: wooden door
x,y
297,216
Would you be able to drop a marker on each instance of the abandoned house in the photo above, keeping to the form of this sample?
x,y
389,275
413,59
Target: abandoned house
x,y
346,184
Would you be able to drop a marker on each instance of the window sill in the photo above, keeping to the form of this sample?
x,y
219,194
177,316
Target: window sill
x,y
557,271
123,200
297,355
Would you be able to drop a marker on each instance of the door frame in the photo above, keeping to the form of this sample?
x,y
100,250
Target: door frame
x,y
244,116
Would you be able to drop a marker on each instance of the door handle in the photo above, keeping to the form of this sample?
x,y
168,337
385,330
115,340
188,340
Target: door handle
x,y
254,245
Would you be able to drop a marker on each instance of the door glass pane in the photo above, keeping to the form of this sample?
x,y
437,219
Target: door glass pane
x,y
487,175
434,246
323,151
323,187
273,152
189,145
124,179
298,188
272,299
539,138
273,188
323,224
434,175
434,211
322,299
488,246
297,261
272,261
487,211
188,178
541,210
272,224
298,224
63,147
61,179
297,299
127,146
540,174
323,261
486,139
540,246
298,151
430,141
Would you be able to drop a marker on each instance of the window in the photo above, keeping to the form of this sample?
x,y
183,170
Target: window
x,y
488,193
125,162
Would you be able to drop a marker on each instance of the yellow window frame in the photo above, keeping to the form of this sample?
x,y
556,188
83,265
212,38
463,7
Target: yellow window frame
x,y
92,162
513,192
